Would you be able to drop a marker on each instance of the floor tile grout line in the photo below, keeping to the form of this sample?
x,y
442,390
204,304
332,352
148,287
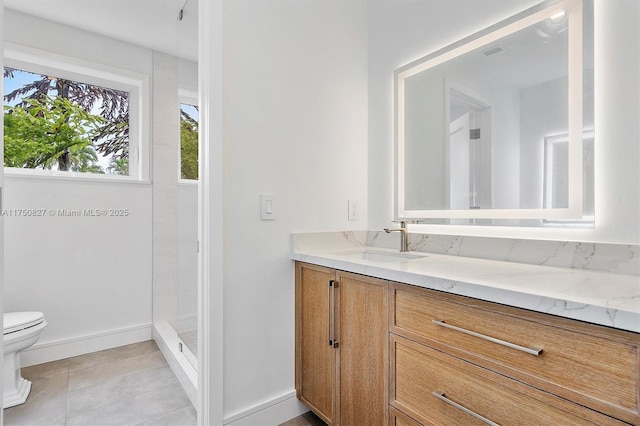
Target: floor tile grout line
x,y
163,415
109,360
120,399
116,375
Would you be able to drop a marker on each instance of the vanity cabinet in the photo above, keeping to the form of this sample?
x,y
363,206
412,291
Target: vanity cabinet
x,y
341,346
450,354
374,352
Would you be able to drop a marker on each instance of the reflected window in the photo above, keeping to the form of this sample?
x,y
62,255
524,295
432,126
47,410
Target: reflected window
x,y
556,173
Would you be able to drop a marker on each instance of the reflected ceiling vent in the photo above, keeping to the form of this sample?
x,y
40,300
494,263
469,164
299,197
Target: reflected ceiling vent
x,y
492,51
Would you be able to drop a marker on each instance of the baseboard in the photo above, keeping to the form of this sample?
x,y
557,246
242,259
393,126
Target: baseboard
x,y
273,412
167,340
65,348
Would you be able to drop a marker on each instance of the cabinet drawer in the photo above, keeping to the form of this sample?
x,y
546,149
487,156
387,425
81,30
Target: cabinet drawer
x,y
398,418
591,365
419,372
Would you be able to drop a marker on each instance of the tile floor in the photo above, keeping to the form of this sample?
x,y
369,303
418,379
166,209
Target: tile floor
x,y
129,385
307,419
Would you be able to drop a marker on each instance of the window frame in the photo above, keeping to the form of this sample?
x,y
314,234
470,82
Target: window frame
x,y
136,84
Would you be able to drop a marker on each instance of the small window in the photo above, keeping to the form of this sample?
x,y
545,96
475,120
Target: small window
x,y
189,119
62,118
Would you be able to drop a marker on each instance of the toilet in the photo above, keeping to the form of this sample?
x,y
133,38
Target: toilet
x,y
21,330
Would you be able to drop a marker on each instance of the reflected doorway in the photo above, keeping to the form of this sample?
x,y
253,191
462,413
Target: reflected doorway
x,y
469,152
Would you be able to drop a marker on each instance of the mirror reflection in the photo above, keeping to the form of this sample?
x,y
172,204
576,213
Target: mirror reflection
x,y
475,129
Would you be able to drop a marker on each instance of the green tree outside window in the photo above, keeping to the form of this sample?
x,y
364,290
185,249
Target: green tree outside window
x,y
50,131
188,144
54,122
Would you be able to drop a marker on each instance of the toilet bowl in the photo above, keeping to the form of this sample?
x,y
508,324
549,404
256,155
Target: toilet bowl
x,y
20,331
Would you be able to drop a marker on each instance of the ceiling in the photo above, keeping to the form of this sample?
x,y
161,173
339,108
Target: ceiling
x,y
148,23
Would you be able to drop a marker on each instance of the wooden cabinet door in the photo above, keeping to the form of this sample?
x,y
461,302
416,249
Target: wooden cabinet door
x,y
315,368
362,332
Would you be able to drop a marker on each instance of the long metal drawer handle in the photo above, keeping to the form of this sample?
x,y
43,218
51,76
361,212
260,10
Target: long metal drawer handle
x,y
535,352
336,285
440,395
329,314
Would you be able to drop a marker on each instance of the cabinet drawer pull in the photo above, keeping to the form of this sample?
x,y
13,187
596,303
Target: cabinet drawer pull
x,y
535,352
331,303
335,315
441,396
329,313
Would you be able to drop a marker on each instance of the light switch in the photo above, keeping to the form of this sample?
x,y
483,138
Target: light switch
x,y
267,206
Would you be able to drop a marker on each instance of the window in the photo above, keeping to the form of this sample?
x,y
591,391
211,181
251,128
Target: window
x,y
62,118
189,118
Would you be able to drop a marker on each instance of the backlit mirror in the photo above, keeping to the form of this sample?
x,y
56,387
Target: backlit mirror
x,y
500,124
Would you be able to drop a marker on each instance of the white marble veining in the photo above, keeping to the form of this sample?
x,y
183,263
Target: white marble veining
x,y
617,258
605,298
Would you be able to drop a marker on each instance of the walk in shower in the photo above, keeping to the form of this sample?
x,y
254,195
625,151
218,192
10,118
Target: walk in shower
x,y
175,199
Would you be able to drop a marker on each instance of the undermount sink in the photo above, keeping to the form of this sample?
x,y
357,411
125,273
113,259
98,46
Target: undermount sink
x,y
378,255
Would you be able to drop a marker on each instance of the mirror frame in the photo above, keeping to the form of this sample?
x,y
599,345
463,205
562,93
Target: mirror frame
x,y
524,19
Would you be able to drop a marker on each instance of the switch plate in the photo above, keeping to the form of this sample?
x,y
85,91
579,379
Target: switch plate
x,y
354,210
267,206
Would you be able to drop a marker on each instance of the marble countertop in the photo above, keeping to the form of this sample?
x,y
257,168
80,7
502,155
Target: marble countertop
x,y
603,298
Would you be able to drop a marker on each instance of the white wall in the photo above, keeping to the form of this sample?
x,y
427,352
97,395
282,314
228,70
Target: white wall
x,y
91,276
295,114
403,30
543,113
617,109
425,161
52,37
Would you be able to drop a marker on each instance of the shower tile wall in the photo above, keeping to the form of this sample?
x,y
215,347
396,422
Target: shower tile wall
x,y
188,257
165,187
